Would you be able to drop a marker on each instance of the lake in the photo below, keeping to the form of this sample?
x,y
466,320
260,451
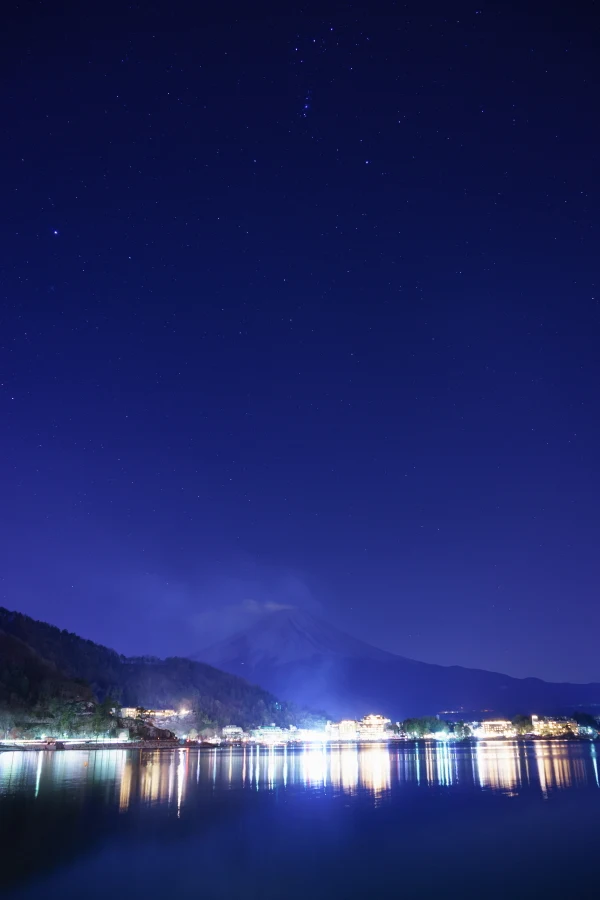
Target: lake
x,y
406,820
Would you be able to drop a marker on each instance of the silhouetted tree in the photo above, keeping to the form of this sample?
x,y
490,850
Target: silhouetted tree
x,y
462,730
522,724
420,727
586,720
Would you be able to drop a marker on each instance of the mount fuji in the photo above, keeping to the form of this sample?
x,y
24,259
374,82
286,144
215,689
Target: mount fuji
x,y
310,662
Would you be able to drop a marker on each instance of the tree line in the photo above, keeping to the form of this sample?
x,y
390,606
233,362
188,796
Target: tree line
x,y
425,725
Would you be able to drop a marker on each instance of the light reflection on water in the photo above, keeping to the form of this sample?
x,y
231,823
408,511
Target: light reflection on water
x,y
374,769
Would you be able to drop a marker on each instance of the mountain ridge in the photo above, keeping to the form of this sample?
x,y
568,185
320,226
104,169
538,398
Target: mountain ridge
x,y
306,660
40,660
294,627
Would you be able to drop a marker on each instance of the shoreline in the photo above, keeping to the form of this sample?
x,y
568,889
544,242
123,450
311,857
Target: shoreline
x,y
35,747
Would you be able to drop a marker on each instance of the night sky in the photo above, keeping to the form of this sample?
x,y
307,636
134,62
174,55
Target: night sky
x,y
301,307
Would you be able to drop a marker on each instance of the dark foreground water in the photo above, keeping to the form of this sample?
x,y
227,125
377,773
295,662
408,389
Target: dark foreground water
x,y
409,820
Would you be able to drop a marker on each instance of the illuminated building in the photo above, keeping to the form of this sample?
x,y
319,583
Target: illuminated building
x,y
346,730
370,728
271,734
233,733
546,726
307,735
132,712
496,728
373,728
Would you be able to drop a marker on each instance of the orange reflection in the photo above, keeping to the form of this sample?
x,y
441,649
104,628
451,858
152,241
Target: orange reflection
x,y
314,765
505,766
374,768
499,766
343,767
554,767
156,778
125,787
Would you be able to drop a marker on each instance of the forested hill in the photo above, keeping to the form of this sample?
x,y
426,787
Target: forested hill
x,y
26,679
52,661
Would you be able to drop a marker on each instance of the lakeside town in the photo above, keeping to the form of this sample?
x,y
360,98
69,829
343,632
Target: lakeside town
x,y
163,728
376,727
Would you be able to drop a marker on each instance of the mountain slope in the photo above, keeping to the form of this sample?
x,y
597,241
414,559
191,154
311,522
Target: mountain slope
x,y
27,679
289,636
36,656
310,662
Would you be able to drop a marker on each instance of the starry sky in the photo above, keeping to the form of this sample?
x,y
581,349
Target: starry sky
x,y
300,306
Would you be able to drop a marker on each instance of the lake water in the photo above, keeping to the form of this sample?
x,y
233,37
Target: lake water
x,y
408,820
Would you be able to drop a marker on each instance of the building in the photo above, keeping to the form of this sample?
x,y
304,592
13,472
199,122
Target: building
x,y
271,734
166,713
588,731
373,728
370,728
492,728
346,730
133,712
547,726
308,736
233,733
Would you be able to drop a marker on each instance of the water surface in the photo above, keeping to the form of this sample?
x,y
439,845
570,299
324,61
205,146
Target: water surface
x,y
409,820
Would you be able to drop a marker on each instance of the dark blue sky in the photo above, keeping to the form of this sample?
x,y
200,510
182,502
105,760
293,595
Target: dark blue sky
x,y
303,309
